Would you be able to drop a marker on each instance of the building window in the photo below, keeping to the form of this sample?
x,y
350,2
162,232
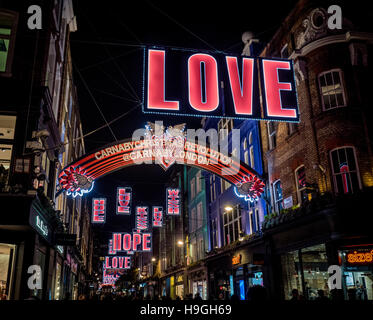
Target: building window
x,y
7,128
224,185
285,52
271,134
292,127
252,161
232,224
254,220
224,127
198,182
193,220
212,188
8,24
214,233
199,215
300,177
345,170
192,188
277,191
245,151
250,138
331,89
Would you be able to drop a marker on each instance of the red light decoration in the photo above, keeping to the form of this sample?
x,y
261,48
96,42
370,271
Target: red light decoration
x,y
111,251
142,218
124,200
156,83
127,153
201,95
75,181
117,262
132,242
242,91
98,210
273,99
210,73
157,217
173,201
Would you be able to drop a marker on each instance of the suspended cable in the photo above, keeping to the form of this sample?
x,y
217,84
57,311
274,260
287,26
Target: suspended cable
x,y
114,61
94,101
181,26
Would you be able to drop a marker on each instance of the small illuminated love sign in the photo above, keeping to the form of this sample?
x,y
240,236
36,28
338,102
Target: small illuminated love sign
x,y
200,84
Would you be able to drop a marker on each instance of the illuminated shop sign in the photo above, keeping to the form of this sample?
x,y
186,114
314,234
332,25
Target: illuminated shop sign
x,y
117,262
360,257
173,201
191,83
157,216
236,259
142,218
41,226
132,242
124,199
98,210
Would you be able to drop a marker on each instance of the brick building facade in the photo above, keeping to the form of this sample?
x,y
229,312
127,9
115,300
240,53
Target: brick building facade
x,y
320,170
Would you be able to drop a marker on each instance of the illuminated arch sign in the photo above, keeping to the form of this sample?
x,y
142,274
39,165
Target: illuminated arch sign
x,y
192,83
82,173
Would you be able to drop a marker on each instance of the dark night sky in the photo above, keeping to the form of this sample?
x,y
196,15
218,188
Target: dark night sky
x,y
113,73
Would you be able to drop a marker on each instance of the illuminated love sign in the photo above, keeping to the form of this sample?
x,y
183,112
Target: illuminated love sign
x,y
190,83
157,217
124,198
118,262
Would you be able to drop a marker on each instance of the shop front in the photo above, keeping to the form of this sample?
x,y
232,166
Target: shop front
x,y
247,271
357,271
179,285
197,281
220,280
7,262
305,270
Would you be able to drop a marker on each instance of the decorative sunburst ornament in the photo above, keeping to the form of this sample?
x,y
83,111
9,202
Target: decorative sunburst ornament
x,y
75,181
250,188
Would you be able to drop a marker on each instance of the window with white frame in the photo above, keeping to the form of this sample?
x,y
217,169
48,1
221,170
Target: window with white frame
x,y
257,219
300,177
193,220
232,224
8,25
250,138
212,188
345,170
271,126
251,221
198,182
214,230
277,192
192,188
252,159
254,220
224,185
199,215
224,127
331,89
245,152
